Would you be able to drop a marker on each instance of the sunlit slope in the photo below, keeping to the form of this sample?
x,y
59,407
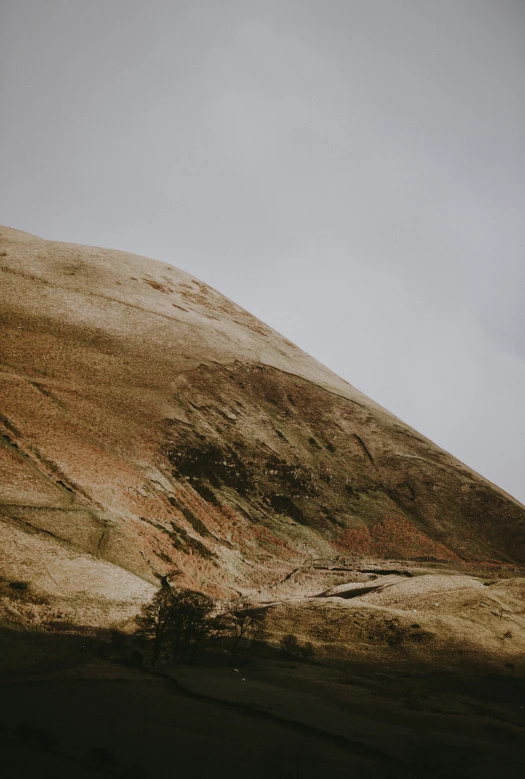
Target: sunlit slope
x,y
149,425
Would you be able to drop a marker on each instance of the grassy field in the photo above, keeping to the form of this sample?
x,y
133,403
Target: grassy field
x,y
267,717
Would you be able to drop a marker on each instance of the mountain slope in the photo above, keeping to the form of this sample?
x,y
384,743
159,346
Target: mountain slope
x,y
151,426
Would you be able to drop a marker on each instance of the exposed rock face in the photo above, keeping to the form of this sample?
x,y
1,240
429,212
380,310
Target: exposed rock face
x,y
151,426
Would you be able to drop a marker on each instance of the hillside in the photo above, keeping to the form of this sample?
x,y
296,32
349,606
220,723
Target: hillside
x,y
150,427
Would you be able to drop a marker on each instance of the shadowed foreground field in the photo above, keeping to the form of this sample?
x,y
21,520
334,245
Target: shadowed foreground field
x,y
270,717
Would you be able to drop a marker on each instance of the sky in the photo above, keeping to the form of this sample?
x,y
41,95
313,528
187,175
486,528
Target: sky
x,y
350,171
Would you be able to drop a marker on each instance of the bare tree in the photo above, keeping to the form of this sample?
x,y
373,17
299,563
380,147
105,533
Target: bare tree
x,y
155,618
244,622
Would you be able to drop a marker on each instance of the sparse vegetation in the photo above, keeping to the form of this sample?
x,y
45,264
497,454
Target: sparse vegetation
x,y
291,647
244,623
182,541
206,493
285,505
179,622
193,622
20,586
292,475
189,516
211,463
155,618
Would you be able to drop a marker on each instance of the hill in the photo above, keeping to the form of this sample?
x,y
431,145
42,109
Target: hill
x,y
150,427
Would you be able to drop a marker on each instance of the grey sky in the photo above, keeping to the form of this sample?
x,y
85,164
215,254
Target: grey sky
x,y
351,172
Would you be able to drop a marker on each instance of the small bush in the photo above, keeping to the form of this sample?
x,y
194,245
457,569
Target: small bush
x,y
308,651
20,586
285,505
291,647
206,493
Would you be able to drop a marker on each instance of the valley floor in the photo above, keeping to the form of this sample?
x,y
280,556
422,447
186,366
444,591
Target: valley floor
x,y
268,718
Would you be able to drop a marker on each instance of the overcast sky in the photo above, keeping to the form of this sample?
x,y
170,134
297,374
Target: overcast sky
x,y
350,171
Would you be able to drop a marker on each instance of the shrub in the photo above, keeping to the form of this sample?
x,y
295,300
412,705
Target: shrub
x,y
291,647
243,623
285,505
20,586
206,493
308,650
